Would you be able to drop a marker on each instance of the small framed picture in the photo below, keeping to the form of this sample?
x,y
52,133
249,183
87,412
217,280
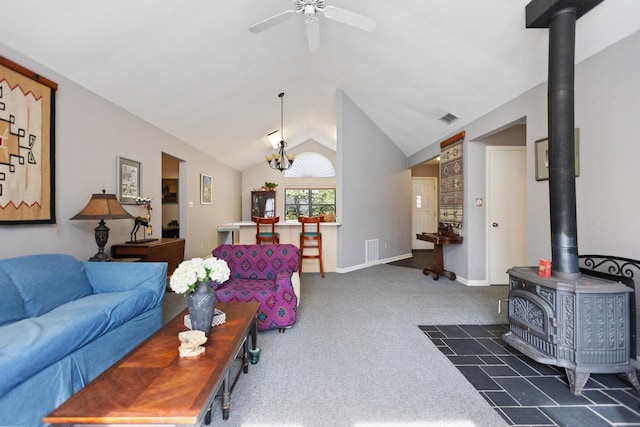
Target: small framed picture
x,y
169,190
542,156
128,177
205,189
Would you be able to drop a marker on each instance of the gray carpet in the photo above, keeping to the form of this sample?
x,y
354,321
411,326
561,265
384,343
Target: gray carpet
x,y
173,304
357,358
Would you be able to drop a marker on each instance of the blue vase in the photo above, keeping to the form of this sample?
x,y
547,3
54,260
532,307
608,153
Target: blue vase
x,y
202,304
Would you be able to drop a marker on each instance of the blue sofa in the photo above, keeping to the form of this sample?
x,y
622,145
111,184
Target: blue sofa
x,y
63,322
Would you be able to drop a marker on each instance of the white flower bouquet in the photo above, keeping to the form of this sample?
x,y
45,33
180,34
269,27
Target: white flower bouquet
x,y
184,278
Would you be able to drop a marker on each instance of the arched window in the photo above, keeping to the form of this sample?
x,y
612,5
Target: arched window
x,y
311,164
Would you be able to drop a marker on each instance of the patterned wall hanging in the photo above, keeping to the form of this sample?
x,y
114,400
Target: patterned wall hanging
x,y
27,118
451,195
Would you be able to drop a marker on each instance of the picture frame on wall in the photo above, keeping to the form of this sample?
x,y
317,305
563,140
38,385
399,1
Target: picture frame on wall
x,y
542,156
129,183
27,146
169,190
206,182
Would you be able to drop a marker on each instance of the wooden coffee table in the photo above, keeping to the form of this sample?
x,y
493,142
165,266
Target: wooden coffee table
x,y
153,385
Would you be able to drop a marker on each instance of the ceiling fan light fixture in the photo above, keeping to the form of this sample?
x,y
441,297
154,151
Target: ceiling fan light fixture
x,y
310,11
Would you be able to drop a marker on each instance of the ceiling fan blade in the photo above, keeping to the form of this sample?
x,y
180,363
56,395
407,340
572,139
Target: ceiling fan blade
x,y
273,21
313,35
350,18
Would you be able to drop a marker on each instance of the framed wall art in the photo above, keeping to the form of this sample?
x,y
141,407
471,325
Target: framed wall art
x,y
169,190
542,156
128,185
27,146
205,189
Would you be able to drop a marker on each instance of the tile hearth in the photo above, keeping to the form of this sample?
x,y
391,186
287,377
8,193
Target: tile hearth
x,y
526,393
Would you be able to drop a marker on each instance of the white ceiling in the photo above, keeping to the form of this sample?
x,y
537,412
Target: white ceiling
x,y
192,68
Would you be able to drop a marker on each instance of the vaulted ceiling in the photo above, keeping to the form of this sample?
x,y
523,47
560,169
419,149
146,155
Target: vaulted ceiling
x,y
192,67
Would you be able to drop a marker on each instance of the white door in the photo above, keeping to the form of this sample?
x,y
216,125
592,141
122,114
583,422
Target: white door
x,y
506,211
423,213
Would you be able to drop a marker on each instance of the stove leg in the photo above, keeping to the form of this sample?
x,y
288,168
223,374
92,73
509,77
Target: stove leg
x,y
633,378
577,381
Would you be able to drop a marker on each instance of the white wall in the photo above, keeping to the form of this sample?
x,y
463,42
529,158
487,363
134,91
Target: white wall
x,y
90,133
374,189
607,100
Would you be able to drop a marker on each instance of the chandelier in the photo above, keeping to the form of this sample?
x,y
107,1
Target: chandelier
x,y
279,160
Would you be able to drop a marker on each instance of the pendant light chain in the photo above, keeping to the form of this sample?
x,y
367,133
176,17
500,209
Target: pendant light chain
x,y
281,160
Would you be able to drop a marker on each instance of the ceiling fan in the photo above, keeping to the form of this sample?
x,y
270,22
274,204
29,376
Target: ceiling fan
x,y
310,9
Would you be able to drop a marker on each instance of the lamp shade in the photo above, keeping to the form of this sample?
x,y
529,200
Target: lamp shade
x,y
103,206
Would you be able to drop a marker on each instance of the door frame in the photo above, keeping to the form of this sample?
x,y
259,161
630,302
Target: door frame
x,y
489,202
436,197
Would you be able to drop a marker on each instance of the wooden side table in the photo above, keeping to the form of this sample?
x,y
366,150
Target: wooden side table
x,y
170,251
439,239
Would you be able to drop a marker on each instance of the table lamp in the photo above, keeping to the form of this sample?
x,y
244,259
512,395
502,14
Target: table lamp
x,y
102,206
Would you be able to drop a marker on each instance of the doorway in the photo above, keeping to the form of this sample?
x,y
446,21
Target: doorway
x,y
424,210
506,210
171,197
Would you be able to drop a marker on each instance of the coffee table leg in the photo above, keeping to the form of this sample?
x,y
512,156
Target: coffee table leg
x,y
226,396
245,356
207,417
254,334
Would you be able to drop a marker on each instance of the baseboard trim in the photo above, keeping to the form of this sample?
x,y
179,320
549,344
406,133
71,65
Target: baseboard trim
x,y
397,258
471,283
372,263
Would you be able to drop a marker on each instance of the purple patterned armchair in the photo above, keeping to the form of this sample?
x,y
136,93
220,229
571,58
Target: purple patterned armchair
x,y
262,273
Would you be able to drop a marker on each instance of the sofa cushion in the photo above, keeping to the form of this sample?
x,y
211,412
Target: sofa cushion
x,y
11,306
258,261
30,345
47,281
277,299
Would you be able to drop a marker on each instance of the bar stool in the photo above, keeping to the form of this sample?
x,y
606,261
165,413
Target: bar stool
x,y
309,235
264,233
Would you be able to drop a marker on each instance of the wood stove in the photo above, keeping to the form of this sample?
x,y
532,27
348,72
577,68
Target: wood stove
x,y
578,322
580,325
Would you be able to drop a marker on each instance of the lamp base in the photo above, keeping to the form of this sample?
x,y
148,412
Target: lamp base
x,y
101,257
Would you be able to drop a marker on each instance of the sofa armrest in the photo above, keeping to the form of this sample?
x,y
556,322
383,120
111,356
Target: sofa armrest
x,y
295,282
126,276
284,284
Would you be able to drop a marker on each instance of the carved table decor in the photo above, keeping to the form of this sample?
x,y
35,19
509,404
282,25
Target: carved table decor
x,y
191,343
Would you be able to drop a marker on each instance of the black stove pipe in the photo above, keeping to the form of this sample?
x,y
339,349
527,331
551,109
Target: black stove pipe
x,y
562,184
560,17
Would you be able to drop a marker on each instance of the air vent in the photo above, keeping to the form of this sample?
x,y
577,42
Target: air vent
x,y
371,250
448,118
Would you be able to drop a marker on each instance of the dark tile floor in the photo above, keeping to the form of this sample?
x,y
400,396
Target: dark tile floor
x,y
421,258
526,393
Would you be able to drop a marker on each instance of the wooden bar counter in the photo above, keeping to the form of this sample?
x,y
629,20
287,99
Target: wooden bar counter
x,y
290,233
